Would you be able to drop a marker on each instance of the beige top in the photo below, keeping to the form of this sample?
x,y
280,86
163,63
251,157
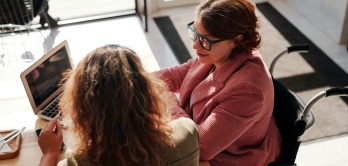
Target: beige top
x,y
186,153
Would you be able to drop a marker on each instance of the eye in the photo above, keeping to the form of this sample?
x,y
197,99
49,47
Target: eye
x,y
204,41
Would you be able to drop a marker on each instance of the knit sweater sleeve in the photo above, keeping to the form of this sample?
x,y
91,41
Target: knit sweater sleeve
x,y
230,119
174,76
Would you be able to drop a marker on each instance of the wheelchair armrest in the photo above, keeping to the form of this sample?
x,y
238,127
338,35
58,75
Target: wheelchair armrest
x,y
310,116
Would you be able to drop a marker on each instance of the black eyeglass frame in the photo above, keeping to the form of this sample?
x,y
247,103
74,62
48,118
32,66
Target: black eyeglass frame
x,y
211,42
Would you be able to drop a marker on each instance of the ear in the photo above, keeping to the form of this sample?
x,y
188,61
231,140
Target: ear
x,y
236,40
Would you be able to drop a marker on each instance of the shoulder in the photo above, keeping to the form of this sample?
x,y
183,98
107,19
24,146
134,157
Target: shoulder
x,y
252,71
186,138
185,124
185,132
73,160
63,162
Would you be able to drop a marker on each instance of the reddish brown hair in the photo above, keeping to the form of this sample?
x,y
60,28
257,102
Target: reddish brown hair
x,y
227,19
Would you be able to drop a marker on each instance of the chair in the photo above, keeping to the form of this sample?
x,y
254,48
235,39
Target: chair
x,y
292,115
22,12
294,118
287,112
18,39
289,115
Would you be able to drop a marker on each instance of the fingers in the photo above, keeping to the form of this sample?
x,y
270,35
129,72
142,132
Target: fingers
x,y
48,135
52,123
52,126
59,129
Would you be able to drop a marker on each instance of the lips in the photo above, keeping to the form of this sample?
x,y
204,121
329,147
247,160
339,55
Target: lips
x,y
201,55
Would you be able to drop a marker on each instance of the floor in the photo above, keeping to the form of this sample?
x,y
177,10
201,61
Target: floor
x,y
156,54
328,151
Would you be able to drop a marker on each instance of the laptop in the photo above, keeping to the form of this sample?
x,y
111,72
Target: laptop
x,y
42,81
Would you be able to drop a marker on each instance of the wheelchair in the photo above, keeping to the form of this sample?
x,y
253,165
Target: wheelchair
x,y
293,117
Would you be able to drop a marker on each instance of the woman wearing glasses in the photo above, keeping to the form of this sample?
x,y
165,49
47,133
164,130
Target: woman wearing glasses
x,y
227,90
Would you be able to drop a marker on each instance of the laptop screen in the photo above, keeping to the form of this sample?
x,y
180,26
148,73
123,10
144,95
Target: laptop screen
x,y
46,78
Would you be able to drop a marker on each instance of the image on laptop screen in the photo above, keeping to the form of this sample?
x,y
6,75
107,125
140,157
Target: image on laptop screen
x,y
46,78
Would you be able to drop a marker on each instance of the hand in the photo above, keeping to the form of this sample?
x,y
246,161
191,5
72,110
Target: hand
x,y
50,142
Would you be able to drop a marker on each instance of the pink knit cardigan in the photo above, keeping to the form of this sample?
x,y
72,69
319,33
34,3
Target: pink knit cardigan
x,y
232,108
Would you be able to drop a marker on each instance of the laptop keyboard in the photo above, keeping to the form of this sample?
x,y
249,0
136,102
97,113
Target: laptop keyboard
x,y
52,109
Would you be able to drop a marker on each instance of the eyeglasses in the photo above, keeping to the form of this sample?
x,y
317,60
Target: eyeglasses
x,y
203,41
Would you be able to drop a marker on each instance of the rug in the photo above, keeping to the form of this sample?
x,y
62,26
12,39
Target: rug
x,y
306,74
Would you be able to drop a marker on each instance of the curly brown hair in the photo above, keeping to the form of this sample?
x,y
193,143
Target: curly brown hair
x,y
227,19
116,110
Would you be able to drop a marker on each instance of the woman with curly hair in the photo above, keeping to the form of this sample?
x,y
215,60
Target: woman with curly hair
x,y
227,89
118,116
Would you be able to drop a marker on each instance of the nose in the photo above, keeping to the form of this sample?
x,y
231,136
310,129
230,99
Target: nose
x,y
196,44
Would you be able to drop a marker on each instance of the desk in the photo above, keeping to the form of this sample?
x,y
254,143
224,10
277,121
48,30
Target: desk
x,y
15,115
16,112
15,109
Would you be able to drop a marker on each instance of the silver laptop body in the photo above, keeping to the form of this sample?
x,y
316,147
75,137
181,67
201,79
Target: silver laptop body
x,y
43,80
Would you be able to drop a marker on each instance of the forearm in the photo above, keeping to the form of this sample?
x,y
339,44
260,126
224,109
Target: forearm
x,y
174,76
49,160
